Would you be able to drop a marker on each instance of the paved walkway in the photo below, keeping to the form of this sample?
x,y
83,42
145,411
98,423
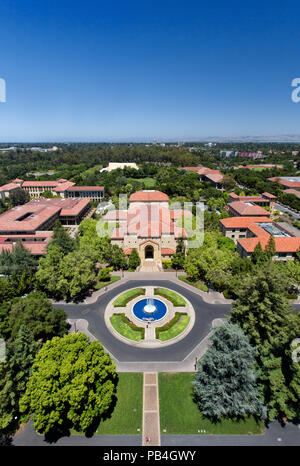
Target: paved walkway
x,y
151,420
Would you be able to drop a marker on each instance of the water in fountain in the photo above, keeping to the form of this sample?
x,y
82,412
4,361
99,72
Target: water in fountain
x,y
150,306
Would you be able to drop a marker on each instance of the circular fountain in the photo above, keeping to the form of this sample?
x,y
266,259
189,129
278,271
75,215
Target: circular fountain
x,y
149,310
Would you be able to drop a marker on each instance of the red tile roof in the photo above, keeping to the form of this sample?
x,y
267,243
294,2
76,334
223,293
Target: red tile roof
x,y
282,244
86,188
61,187
9,187
287,183
39,184
243,209
148,196
167,251
292,191
37,216
216,178
69,206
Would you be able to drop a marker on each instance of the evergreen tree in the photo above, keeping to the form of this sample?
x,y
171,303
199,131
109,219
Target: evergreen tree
x,y
258,256
265,315
21,353
225,382
270,247
261,309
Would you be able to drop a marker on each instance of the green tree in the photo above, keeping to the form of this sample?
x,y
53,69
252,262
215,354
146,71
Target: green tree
x,y
270,248
72,385
37,313
259,256
61,239
118,259
261,309
19,197
134,260
104,274
225,382
17,260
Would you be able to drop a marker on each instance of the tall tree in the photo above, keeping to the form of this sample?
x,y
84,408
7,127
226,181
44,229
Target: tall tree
x,y
61,239
225,382
134,260
19,197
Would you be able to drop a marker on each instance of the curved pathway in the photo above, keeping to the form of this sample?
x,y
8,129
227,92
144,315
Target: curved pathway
x,y
94,314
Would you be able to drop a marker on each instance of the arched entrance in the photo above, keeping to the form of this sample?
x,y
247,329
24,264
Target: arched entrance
x,y
149,252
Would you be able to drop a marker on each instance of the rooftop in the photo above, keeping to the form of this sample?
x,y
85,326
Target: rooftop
x,y
148,196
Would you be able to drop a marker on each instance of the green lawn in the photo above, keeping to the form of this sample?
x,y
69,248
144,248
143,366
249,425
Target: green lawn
x,y
175,298
197,284
122,300
179,415
125,328
124,420
149,183
180,323
100,284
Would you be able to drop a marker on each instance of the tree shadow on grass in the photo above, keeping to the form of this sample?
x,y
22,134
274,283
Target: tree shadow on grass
x,y
107,415
65,430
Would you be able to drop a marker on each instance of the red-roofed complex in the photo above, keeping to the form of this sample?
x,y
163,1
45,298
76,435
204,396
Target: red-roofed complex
x,y
292,191
41,214
35,243
62,187
253,205
148,226
286,181
208,174
247,232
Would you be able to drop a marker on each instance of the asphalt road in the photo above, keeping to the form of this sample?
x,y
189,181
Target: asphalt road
x,y
94,314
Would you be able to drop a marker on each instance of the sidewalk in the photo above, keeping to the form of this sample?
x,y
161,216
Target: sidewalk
x,y
151,420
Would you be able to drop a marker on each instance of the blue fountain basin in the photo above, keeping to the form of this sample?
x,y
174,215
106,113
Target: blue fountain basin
x,y
140,313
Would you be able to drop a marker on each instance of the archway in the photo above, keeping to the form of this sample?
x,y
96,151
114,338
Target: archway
x,y
149,252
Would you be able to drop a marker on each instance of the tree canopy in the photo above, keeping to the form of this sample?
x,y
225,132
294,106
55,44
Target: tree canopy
x,y
72,385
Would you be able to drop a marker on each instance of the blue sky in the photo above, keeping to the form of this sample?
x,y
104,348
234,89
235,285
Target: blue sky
x,y
143,70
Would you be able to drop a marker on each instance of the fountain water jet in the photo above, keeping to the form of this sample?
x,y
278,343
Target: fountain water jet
x,y
150,306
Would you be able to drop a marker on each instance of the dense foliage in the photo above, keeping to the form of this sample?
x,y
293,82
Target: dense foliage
x,y
225,382
72,385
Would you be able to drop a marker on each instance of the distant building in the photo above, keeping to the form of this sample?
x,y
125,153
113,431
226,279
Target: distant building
x,y
292,191
115,166
208,174
251,205
62,188
41,214
7,189
287,181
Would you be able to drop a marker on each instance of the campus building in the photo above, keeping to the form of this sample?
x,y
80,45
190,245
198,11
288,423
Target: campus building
x,y
121,165
148,225
251,206
214,177
247,232
287,181
62,188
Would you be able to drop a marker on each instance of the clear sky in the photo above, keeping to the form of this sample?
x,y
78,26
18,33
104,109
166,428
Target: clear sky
x,y
135,70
